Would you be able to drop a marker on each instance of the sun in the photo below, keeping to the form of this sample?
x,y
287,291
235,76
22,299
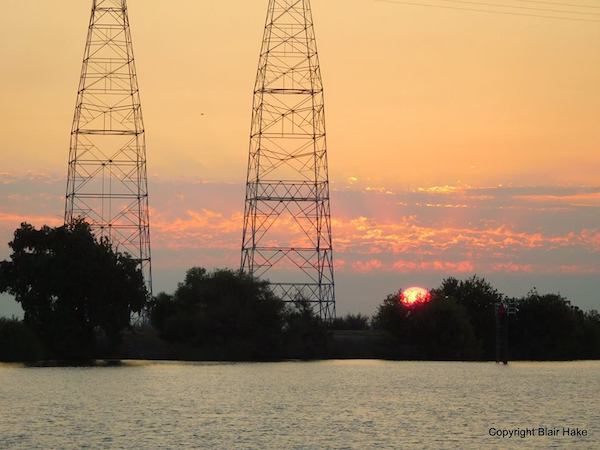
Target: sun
x,y
413,295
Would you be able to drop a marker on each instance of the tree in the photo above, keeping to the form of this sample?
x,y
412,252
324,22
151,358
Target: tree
x,y
71,285
17,342
229,314
437,329
442,330
305,333
546,327
393,316
478,297
350,322
590,337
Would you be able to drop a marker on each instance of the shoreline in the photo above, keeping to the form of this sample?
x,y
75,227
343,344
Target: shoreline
x,y
132,362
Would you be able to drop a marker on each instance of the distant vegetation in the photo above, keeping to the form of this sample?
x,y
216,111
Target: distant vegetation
x,y
78,295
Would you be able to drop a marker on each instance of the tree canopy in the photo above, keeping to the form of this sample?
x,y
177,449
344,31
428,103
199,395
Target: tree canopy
x,y
71,285
437,329
228,313
459,323
547,326
478,297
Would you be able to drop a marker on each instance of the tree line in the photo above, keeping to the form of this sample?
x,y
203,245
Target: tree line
x,y
78,296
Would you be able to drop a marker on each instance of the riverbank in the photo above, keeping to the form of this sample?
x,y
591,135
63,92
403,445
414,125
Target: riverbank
x,y
145,344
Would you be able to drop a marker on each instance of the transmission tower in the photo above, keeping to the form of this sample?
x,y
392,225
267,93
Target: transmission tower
x,y
287,220
107,180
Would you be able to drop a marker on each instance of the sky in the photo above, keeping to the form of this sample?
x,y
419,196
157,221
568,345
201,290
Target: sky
x,y
459,142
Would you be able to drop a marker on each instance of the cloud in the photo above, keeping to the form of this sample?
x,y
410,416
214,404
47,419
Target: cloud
x,y
366,245
512,267
13,220
367,266
196,230
579,199
434,266
406,235
454,229
446,189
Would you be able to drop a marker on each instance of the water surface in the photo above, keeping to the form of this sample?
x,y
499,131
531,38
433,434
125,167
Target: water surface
x,y
300,405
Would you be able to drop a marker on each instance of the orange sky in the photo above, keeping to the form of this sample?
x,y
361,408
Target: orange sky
x,y
459,142
414,96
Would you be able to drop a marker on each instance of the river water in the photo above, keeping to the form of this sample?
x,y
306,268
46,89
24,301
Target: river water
x,y
299,405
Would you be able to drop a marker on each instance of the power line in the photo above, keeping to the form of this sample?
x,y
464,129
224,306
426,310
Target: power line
x,y
488,11
573,5
529,8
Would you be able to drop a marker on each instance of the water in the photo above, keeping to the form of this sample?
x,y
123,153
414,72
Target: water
x,y
301,405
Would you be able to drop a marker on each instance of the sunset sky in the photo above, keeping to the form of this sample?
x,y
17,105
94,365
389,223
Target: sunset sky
x,y
460,142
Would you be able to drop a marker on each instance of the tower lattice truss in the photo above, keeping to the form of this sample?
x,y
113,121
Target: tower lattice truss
x,y
287,221
107,180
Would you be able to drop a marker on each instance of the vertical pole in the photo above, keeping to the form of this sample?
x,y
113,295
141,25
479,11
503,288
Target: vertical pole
x,y
502,319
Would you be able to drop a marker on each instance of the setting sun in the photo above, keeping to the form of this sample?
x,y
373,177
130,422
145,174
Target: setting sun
x,y
413,295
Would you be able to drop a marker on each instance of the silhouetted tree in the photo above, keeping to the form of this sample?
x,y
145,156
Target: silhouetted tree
x,y
437,329
442,329
305,334
393,316
228,313
70,285
350,322
162,307
18,343
547,327
478,297
590,335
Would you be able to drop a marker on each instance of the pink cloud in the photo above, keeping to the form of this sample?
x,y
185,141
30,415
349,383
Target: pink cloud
x,y
14,219
433,230
580,199
512,267
367,266
434,266
379,241
197,229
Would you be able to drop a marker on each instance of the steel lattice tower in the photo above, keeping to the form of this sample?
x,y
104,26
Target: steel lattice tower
x,y
107,180
287,220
